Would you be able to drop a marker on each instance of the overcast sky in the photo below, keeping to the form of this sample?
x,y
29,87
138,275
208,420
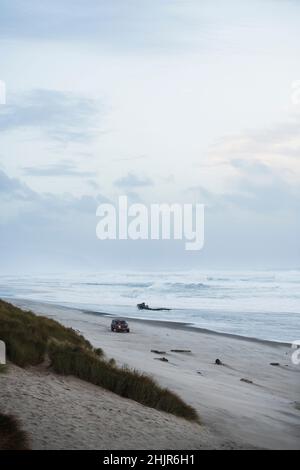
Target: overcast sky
x,y
162,100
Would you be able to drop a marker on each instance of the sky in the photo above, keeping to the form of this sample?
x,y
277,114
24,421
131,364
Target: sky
x,y
163,101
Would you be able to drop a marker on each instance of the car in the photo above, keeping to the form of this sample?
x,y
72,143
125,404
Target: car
x,y
118,325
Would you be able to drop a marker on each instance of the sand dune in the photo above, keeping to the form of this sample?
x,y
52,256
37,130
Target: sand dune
x,y
66,413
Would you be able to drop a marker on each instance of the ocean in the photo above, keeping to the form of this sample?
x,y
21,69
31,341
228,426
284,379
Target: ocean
x,y
258,304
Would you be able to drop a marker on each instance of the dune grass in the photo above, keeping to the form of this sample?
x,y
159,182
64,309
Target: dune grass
x,y
3,368
30,339
27,335
12,437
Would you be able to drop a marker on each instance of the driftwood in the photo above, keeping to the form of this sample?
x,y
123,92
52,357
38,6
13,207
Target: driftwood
x,y
181,350
218,362
247,381
155,351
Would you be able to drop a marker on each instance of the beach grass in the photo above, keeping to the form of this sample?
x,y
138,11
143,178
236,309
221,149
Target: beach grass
x,y
27,335
3,368
30,339
12,437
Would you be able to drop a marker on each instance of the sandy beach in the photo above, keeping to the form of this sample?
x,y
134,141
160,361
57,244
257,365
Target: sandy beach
x,y
64,412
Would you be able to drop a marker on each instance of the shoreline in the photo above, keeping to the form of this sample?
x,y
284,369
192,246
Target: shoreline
x,y
190,327
177,325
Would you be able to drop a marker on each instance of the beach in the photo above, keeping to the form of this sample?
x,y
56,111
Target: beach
x,y
261,411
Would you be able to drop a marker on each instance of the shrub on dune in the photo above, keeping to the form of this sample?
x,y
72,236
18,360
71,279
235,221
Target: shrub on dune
x,y
26,335
12,437
69,360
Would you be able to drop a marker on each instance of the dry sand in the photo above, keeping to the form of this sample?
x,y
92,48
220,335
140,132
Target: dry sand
x,y
67,413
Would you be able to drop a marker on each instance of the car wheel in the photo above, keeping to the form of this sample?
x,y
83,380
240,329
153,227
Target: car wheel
x,y
128,330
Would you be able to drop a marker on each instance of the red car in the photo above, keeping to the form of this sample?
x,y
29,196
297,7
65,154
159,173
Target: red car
x,y
118,325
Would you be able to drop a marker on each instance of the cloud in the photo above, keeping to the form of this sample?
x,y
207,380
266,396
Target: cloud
x,y
63,168
123,24
127,159
44,232
93,184
258,190
60,116
261,171
269,195
12,188
260,155
20,196
133,181
160,24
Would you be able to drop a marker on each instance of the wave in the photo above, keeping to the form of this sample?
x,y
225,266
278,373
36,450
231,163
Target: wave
x,y
188,285
168,285
118,284
242,279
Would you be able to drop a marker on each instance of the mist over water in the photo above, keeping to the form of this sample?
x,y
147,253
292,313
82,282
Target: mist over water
x,y
260,304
